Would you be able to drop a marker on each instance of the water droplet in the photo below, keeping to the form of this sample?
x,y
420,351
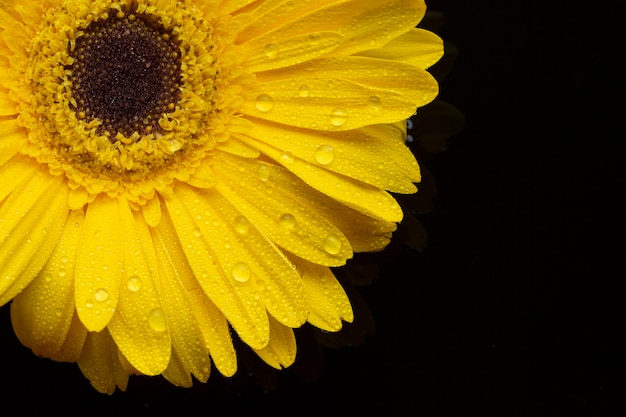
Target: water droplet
x,y
314,38
89,304
324,154
332,244
196,232
64,259
338,117
286,158
264,103
241,272
304,91
374,103
133,284
174,145
242,225
271,50
58,311
287,222
101,295
263,172
156,320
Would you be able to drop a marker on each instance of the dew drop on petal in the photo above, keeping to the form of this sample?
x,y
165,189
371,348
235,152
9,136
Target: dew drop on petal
x,y
89,304
242,225
196,232
264,103
287,222
271,50
101,295
374,103
134,284
241,272
156,320
338,117
304,91
314,38
62,272
286,158
263,172
332,244
324,154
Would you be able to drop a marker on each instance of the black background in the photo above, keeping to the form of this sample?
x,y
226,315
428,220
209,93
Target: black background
x,y
468,326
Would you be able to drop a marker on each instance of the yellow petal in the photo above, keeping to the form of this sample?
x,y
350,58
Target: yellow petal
x,y
364,198
263,194
32,219
203,177
140,325
375,155
411,82
323,104
43,311
176,373
281,350
252,274
7,106
188,349
209,319
100,364
231,6
235,147
292,51
11,138
246,315
152,212
328,302
417,47
74,341
99,266
364,24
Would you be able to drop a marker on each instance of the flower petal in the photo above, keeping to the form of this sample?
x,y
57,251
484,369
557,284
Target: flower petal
x,y
329,104
417,47
99,362
7,106
262,192
209,319
280,352
247,266
361,154
245,314
231,6
328,302
43,311
31,227
364,198
188,350
411,82
140,325
99,264
291,51
11,138
362,23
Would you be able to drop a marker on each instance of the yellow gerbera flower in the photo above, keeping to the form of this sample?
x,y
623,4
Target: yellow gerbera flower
x,y
174,169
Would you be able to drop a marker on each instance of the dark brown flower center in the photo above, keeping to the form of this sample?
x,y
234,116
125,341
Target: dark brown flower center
x,y
126,74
